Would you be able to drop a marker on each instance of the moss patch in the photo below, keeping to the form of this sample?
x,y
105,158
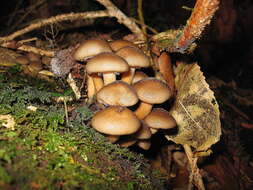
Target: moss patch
x,y
43,152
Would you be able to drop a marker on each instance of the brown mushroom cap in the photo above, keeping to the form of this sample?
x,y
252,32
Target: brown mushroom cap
x,y
134,57
160,119
23,60
118,44
115,120
152,90
106,63
35,66
90,48
117,93
126,142
33,56
143,133
139,76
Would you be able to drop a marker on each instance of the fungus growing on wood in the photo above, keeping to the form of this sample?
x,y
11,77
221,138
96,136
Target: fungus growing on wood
x,y
117,93
116,120
118,44
108,64
150,91
159,118
90,48
135,59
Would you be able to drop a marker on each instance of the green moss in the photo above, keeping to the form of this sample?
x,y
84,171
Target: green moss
x,y
42,152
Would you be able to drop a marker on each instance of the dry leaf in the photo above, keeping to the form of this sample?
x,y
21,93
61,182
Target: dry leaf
x,y
195,109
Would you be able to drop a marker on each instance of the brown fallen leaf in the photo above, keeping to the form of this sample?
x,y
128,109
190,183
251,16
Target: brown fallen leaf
x,y
195,109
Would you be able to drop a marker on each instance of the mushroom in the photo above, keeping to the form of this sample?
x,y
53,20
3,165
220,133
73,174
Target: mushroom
x,y
150,91
144,144
23,60
116,120
113,138
33,56
160,119
91,91
118,44
135,59
35,67
90,48
128,141
143,133
139,76
108,64
117,93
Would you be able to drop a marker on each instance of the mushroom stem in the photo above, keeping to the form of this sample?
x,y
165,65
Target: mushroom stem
x,y
109,78
98,82
113,138
143,110
90,87
144,144
153,131
128,76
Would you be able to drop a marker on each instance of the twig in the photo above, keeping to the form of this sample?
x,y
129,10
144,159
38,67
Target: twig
x,y
28,49
183,40
26,13
201,16
147,26
55,19
113,11
73,86
195,176
141,18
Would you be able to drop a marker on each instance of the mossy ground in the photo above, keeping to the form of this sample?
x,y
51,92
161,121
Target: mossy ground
x,y
44,152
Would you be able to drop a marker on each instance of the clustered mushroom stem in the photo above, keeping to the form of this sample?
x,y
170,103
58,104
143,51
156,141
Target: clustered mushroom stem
x,y
128,76
113,138
143,110
91,91
98,82
109,78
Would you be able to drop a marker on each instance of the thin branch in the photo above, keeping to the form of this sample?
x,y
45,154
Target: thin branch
x,y
55,19
195,176
183,40
113,11
27,48
141,17
201,16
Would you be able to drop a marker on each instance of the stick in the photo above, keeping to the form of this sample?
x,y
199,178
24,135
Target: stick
x,y
55,19
195,177
113,11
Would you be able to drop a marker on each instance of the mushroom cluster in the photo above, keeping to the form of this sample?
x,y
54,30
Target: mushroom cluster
x,y
104,61
32,64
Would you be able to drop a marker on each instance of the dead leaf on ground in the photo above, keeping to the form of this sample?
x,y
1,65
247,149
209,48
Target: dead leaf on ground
x,y
195,109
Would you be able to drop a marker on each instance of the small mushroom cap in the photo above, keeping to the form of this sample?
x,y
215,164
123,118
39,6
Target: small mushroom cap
x,y
126,142
134,57
160,119
33,56
115,120
144,144
118,44
138,75
106,63
144,132
90,48
23,60
35,66
152,90
117,93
